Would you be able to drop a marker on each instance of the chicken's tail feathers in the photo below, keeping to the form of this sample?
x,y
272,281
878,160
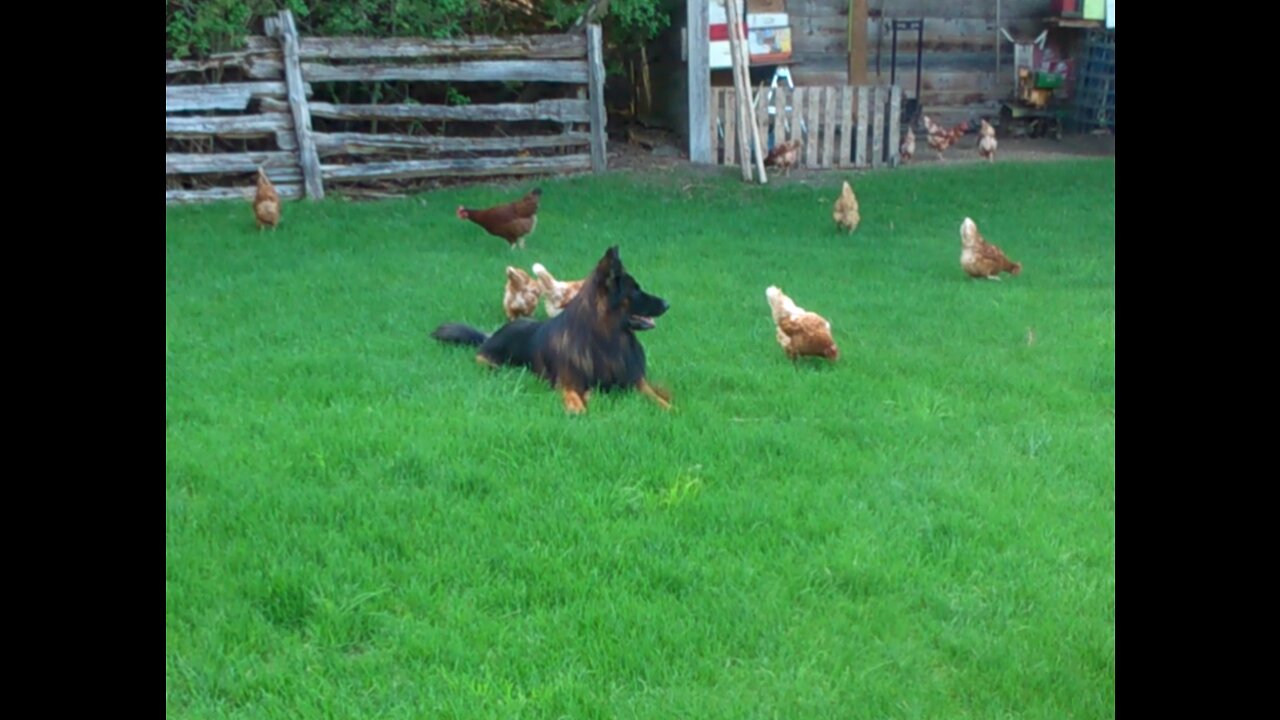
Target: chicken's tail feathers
x,y
459,334
544,277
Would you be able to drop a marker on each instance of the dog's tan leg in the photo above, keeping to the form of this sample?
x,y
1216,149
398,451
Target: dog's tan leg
x,y
480,358
662,397
574,402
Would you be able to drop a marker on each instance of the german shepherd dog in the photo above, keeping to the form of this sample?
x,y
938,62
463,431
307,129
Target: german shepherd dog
x,y
590,345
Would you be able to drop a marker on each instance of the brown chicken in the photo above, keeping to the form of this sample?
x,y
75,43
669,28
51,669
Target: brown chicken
x,y
555,293
512,222
940,139
908,147
987,141
845,212
520,298
800,332
784,155
981,259
266,202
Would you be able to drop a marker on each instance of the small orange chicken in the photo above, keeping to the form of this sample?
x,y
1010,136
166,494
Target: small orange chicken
x,y
555,293
800,332
784,155
520,298
266,202
845,212
908,147
987,141
940,138
981,259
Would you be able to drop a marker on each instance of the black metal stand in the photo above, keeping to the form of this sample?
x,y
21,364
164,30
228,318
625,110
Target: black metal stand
x,y
911,107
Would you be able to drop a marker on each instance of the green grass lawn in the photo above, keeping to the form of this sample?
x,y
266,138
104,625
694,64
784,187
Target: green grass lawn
x,y
361,523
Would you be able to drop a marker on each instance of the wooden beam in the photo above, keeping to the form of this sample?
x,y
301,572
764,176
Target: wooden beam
x,y
857,42
227,96
698,69
234,126
531,47
354,143
565,71
568,110
464,167
197,163
286,191
308,158
595,98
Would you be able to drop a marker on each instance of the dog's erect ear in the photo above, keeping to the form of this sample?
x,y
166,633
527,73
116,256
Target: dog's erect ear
x,y
609,274
609,269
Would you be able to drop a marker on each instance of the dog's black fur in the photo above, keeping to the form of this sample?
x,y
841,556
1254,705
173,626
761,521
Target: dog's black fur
x,y
591,344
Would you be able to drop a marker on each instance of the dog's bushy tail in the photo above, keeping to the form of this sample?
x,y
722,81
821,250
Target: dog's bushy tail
x,y
459,334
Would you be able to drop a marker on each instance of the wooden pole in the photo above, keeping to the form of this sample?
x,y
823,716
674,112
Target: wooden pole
x,y
698,74
751,109
999,42
742,91
742,87
595,96
857,42
297,92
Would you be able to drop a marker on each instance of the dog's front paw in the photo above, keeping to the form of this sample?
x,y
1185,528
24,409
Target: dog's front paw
x,y
574,402
661,396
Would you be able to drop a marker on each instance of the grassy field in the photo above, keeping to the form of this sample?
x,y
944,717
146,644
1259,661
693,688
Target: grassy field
x,y
362,523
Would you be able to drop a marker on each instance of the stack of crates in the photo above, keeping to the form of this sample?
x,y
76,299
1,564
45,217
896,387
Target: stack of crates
x,y
1096,91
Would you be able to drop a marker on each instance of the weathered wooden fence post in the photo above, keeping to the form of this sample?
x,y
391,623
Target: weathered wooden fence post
x,y
599,118
895,124
287,32
697,40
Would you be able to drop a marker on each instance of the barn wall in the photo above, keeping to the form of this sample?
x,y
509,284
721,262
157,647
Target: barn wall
x,y
959,52
959,45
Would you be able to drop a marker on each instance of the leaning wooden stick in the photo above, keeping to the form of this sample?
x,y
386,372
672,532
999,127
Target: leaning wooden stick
x,y
742,90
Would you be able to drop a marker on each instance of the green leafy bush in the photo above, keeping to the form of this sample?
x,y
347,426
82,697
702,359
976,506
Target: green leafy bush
x,y
197,28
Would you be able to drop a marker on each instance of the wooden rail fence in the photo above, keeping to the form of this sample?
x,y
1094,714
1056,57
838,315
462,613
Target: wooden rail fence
x,y
276,106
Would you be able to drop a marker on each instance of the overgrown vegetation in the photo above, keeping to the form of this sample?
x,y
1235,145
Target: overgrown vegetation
x,y
196,28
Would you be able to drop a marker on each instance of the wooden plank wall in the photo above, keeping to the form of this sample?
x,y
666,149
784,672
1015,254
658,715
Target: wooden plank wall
x,y
304,158
959,45
841,126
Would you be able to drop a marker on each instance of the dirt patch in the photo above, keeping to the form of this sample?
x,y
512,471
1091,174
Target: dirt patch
x,y
670,155
659,151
